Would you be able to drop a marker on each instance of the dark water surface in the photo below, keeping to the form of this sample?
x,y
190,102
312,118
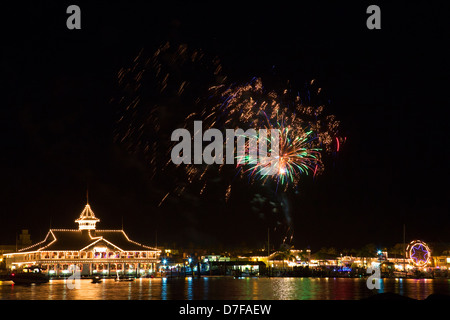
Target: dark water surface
x,y
224,288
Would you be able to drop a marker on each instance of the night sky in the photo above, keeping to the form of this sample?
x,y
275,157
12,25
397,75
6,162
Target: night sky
x,y
388,87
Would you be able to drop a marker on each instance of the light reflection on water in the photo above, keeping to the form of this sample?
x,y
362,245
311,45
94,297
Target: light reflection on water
x,y
220,288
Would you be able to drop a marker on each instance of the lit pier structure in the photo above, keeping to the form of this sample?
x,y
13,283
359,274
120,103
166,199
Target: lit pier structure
x,y
91,251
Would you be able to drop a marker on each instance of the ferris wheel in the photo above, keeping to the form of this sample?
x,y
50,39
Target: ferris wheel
x,y
418,253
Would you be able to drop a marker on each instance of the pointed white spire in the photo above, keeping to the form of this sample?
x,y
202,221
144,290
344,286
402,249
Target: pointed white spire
x,y
87,219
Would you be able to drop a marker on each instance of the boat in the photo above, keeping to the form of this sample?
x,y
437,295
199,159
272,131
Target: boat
x,y
123,279
29,275
96,279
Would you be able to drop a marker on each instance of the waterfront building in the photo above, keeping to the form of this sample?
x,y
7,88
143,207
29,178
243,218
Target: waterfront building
x,y
22,240
88,250
293,257
442,262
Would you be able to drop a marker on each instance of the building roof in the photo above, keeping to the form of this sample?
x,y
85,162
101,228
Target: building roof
x,y
87,214
86,236
76,240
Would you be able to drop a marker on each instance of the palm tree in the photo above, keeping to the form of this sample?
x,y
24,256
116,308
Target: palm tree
x,y
367,251
397,250
285,253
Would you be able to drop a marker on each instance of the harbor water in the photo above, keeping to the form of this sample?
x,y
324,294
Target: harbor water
x,y
222,288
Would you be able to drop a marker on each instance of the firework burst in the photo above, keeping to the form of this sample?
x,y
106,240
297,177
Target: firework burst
x,y
296,156
155,89
305,134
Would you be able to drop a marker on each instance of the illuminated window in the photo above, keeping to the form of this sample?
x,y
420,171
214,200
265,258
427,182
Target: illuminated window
x,y
129,266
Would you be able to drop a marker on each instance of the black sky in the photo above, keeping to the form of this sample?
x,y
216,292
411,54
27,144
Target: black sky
x,y
388,87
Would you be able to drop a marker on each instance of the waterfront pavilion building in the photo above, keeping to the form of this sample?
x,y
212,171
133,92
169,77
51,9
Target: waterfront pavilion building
x,y
91,251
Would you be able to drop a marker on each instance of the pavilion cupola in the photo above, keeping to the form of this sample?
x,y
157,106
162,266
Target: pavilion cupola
x,y
87,219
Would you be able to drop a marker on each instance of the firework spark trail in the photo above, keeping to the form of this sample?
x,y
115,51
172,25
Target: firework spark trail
x,y
160,203
153,90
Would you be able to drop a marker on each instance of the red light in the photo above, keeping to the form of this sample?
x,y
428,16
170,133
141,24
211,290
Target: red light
x,y
12,274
